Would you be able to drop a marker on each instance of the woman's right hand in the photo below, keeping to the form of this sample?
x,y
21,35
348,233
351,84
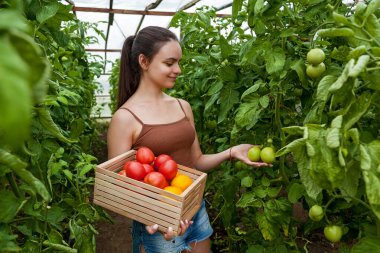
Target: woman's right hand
x,y
169,233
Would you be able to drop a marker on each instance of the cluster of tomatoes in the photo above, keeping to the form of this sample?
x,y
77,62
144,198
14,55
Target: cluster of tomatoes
x,y
316,67
161,171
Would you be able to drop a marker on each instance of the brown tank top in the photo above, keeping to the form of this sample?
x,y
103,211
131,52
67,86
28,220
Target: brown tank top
x,y
174,139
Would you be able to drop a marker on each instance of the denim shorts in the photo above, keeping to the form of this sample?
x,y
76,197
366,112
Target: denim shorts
x,y
198,231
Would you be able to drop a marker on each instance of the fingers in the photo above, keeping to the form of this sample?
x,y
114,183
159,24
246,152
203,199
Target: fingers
x,y
169,234
184,226
152,229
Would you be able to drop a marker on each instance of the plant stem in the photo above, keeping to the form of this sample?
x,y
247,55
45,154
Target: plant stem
x,y
12,183
281,134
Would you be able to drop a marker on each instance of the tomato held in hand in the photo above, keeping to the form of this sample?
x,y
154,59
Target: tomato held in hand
x,y
267,155
144,155
254,154
168,169
156,179
134,170
160,160
333,233
316,213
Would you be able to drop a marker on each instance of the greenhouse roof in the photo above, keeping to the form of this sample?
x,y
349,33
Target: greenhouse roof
x,y
119,19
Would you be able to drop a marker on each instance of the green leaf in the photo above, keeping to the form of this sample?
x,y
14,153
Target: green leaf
x,y
299,67
359,66
252,89
9,206
366,244
259,7
15,96
343,77
47,121
294,145
7,242
247,181
228,73
18,167
248,113
236,7
275,60
333,138
357,110
225,47
336,32
228,97
340,18
47,12
372,7
296,191
11,19
337,122
247,199
264,101
311,187
216,87
324,86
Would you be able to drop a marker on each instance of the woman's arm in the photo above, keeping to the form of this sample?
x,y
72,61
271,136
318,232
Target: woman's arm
x,y
209,161
120,133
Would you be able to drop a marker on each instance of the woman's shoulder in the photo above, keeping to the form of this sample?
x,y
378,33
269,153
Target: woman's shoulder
x,y
122,116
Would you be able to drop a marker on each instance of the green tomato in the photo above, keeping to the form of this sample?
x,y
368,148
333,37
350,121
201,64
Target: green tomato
x,y
64,58
333,233
267,155
315,71
298,92
315,56
254,154
316,213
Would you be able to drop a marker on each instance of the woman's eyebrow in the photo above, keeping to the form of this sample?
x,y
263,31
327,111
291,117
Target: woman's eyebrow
x,y
172,59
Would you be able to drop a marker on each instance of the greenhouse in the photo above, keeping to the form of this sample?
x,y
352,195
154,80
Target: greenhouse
x,y
237,126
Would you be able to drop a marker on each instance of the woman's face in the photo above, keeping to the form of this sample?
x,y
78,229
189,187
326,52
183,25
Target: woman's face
x,y
164,66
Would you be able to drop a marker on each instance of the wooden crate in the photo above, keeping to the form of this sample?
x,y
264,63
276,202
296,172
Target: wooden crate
x,y
143,202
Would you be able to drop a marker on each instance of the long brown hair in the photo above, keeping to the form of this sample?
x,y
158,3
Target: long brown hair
x,y
147,42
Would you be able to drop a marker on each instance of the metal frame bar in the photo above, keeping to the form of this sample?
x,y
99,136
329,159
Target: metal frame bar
x,y
132,12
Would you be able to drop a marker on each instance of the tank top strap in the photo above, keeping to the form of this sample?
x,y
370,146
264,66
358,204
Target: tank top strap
x,y
133,114
181,106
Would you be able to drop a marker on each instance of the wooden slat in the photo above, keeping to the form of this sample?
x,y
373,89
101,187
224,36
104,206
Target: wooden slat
x,y
130,154
144,210
132,216
131,197
190,214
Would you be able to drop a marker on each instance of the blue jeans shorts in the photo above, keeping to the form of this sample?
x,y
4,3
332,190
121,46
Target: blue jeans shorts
x,y
198,231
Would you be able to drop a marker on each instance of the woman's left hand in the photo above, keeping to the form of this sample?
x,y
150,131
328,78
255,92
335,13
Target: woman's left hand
x,y
240,152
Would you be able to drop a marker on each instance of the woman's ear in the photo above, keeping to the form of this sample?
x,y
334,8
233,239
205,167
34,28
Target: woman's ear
x,y
143,62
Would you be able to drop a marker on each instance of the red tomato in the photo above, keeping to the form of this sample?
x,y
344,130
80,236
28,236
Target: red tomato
x,y
168,169
156,179
134,170
148,168
160,160
144,155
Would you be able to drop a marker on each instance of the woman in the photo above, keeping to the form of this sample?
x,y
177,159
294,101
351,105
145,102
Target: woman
x,y
149,117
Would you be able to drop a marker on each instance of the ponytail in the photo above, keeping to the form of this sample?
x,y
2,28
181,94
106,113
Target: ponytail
x,y
129,76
